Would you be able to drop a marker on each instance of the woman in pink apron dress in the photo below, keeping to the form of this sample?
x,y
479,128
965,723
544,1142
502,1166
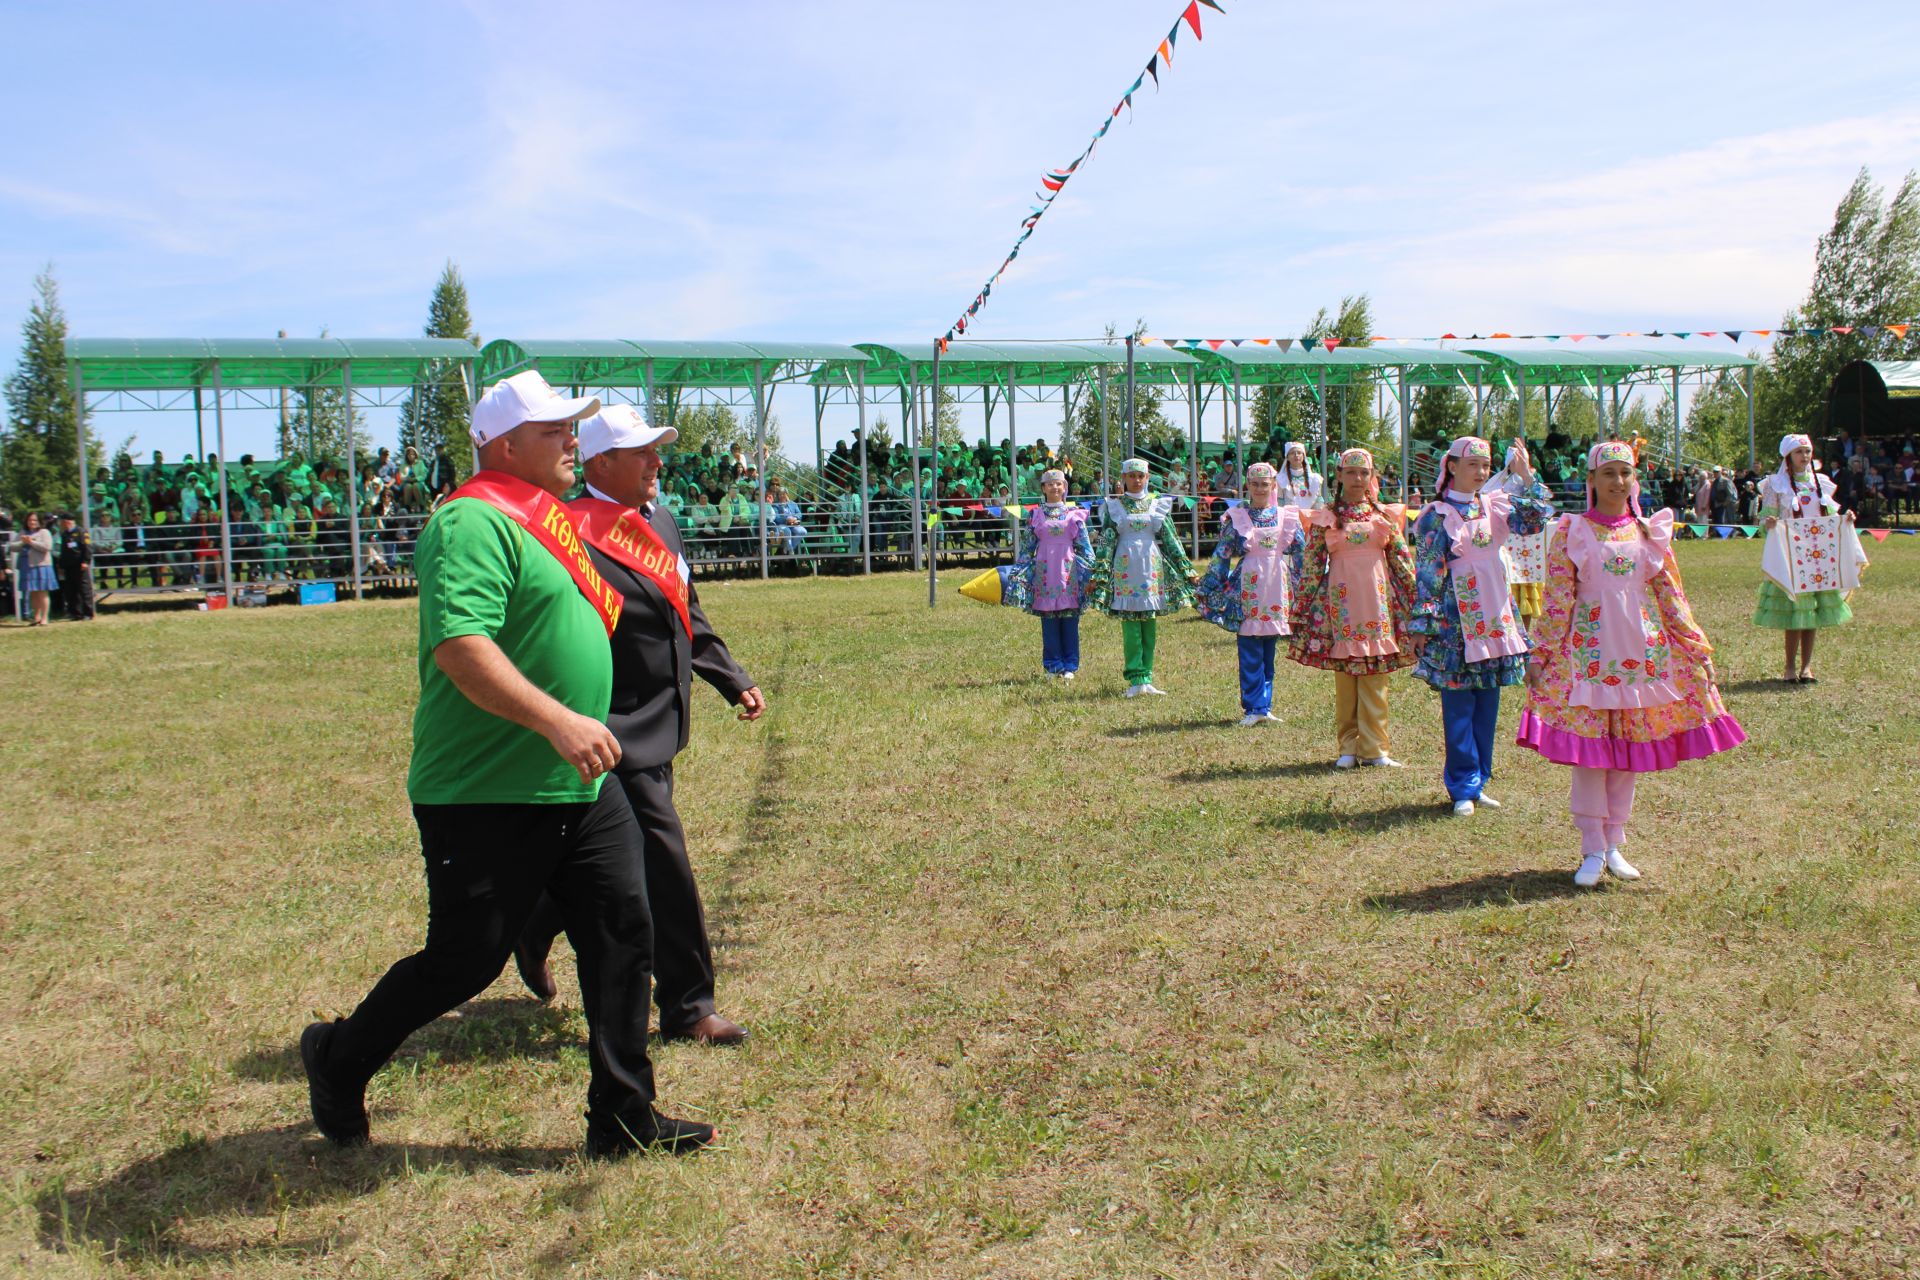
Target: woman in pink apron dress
x,y
1621,680
1049,577
1248,586
1470,643
1350,616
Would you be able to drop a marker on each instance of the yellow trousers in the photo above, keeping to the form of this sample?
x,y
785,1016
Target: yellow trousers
x,y
1360,714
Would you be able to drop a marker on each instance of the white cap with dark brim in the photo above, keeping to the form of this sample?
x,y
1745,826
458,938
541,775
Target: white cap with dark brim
x,y
523,398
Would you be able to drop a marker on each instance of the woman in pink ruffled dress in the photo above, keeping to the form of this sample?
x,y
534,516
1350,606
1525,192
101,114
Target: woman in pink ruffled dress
x,y
1621,678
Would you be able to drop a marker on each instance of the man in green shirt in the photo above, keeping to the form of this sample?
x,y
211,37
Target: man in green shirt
x,y
510,747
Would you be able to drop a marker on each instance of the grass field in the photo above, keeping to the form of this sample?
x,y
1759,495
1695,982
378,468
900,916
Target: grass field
x,y
1042,982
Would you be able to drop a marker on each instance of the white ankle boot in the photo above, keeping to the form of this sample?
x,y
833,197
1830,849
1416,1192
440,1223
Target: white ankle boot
x,y
1619,867
1592,867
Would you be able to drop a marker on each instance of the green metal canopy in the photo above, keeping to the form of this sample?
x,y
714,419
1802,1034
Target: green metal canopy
x,y
1030,364
172,364
1343,366
1573,366
1897,375
627,363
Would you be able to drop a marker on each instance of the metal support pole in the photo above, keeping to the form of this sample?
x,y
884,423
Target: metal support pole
x,y
910,433
1749,390
1239,431
226,527
353,478
760,462
1406,437
1131,451
819,450
1479,406
80,447
1520,381
1676,417
1616,409
1106,438
866,489
1344,393
1013,435
647,378
199,427
933,486
1193,452
1320,393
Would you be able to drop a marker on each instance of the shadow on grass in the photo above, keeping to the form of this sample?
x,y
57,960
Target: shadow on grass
x,y
1497,889
1254,772
491,1030
1175,726
149,1211
1772,684
1324,820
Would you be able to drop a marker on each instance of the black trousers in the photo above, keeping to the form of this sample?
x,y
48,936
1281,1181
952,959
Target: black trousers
x,y
487,864
76,592
682,957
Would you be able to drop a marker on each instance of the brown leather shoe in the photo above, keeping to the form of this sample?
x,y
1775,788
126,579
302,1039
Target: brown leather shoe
x,y
712,1029
535,972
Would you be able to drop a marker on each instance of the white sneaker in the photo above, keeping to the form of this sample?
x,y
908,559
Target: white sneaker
x,y
1387,762
1269,718
1463,808
1249,721
1158,693
1590,870
1620,868
1066,675
1345,762
1134,691
1489,801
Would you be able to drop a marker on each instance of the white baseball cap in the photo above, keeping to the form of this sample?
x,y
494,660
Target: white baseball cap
x,y
620,426
525,397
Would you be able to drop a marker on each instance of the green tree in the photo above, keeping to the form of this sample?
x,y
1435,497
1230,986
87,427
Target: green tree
x,y
1716,429
1866,274
437,414
39,454
1154,432
1283,414
1441,414
318,425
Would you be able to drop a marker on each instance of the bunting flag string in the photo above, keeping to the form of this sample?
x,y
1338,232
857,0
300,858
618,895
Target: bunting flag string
x,y
1055,180
1897,331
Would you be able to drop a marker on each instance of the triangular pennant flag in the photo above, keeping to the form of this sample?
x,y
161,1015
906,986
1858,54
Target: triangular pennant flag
x,y
1306,344
1211,5
1724,530
1603,336
1236,341
1878,535
1330,343
1192,18
1843,328
1709,333
1286,344
1153,69
1052,183
1699,530
1869,330
1166,54
1445,336
1169,341
1215,343
1173,37
1898,330
1678,334
1575,337
1553,337
1813,333
1733,335
1761,333
1263,342
1498,335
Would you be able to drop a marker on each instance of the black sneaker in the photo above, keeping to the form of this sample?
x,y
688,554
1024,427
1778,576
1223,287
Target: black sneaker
x,y
339,1112
611,1137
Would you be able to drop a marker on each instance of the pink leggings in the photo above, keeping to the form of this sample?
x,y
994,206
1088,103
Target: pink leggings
x,y
1602,802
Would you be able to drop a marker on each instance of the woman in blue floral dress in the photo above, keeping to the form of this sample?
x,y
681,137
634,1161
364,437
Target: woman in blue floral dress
x,y
1463,625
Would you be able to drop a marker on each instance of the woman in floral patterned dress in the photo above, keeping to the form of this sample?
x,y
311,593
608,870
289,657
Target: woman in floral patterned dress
x,y
1049,577
1350,616
1469,642
1140,570
1621,679
1798,491
1248,586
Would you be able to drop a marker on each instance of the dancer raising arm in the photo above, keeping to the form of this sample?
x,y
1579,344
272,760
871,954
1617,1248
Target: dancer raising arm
x,y
1469,641
1350,617
1621,679
1140,570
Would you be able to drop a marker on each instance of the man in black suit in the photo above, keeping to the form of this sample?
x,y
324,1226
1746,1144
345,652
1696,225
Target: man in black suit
x,y
661,640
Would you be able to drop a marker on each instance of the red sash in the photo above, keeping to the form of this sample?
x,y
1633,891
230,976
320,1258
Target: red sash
x,y
623,535
551,525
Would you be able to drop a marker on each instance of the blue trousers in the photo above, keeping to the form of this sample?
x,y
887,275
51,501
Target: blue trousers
x,y
1256,673
1469,717
1060,643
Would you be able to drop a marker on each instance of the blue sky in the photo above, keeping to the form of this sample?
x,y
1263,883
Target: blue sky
x,y
854,171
